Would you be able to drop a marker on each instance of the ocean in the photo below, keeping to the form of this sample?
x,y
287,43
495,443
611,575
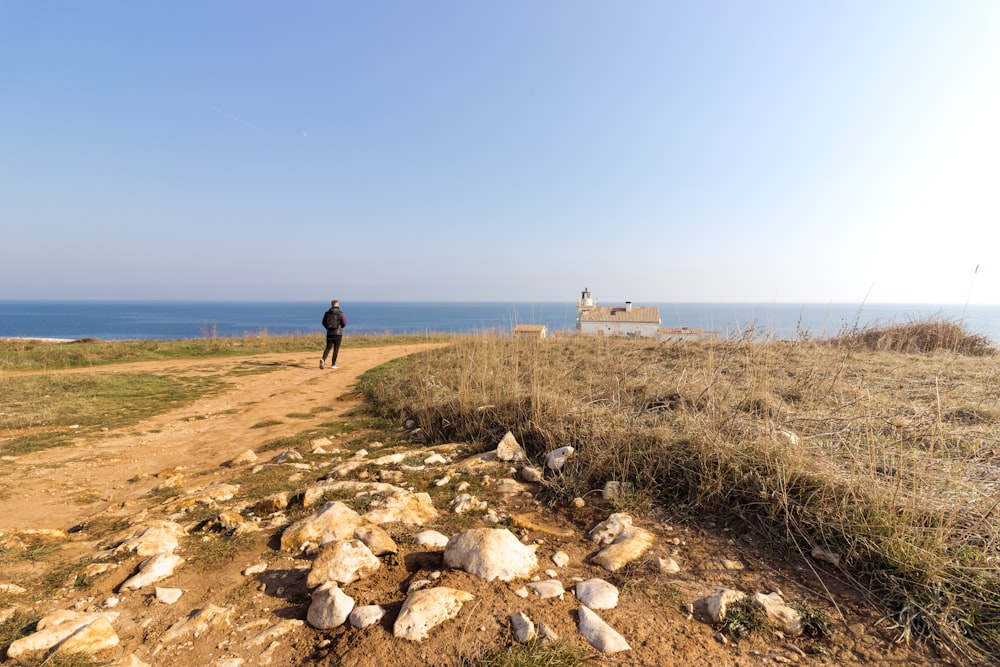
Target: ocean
x,y
157,320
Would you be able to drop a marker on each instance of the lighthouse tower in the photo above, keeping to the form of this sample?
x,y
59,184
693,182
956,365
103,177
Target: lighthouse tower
x,y
586,301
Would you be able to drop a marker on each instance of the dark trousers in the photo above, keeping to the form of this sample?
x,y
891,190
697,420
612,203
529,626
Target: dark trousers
x,y
332,342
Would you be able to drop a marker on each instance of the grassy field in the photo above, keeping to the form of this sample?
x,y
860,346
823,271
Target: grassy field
x,y
879,447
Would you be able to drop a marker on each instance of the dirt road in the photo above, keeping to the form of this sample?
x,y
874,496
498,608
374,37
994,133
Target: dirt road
x,y
57,488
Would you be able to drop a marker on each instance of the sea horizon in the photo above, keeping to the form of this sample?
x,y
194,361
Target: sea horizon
x,y
124,319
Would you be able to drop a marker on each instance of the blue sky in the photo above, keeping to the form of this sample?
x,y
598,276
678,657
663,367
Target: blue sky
x,y
512,151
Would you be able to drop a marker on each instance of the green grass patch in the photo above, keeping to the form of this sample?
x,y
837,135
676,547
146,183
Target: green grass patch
x,y
47,411
217,548
267,422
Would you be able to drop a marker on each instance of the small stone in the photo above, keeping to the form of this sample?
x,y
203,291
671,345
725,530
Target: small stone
x,y
362,617
579,502
524,629
667,565
560,558
168,595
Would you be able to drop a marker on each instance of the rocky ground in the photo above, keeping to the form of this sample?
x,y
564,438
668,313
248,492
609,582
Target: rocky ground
x,y
194,539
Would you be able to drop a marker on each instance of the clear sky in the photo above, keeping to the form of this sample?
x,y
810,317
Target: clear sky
x,y
516,150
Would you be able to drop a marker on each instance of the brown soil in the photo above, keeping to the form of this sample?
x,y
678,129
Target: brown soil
x,y
57,488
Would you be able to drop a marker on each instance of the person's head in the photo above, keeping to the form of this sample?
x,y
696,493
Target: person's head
x,y
334,303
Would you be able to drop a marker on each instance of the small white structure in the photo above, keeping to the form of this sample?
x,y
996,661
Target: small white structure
x,y
627,320
530,331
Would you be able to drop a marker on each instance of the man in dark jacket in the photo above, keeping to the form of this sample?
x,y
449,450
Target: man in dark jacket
x,y
334,323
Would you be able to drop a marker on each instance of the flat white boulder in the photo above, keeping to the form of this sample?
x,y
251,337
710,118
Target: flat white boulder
x,y
523,627
156,537
427,608
611,528
600,635
391,504
336,519
628,547
597,594
168,595
67,631
490,553
342,561
330,607
153,569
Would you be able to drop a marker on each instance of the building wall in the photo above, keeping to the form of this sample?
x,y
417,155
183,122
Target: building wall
x,y
644,329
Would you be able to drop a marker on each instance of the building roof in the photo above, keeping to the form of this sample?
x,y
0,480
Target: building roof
x,y
638,314
534,328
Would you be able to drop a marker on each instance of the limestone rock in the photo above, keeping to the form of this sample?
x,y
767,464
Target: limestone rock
x,y
531,474
560,558
600,635
597,594
779,614
524,629
334,518
151,570
367,615
66,631
342,561
556,459
196,623
490,553
551,588
430,538
668,565
466,503
376,539
276,502
157,537
426,608
12,589
209,496
508,486
286,456
268,635
230,519
168,595
330,607
611,528
628,547
391,504
435,459
509,449
712,608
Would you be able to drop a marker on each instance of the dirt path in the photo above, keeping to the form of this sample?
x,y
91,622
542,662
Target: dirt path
x,y
42,490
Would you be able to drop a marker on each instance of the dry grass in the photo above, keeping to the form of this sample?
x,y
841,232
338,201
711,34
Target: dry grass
x,y
873,451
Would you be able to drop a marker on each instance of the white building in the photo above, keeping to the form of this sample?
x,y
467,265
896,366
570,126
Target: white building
x,y
531,331
627,320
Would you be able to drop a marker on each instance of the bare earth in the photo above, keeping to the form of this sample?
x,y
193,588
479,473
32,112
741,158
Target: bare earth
x,y
261,621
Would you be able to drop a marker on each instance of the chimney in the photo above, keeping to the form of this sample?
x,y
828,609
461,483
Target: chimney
x,y
628,306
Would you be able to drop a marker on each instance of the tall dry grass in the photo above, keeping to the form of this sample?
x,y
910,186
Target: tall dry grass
x,y
887,458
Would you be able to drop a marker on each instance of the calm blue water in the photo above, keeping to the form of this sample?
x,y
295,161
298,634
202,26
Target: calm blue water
x,y
172,320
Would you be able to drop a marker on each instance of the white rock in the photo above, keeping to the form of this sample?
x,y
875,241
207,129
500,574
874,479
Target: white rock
x,y
153,569
611,528
779,614
712,608
279,629
551,588
12,589
67,631
462,487
466,503
508,449
435,459
362,617
600,635
430,538
248,456
521,592
196,623
334,518
508,486
597,594
391,504
490,553
330,607
524,629
256,568
531,474
168,595
560,558
287,455
556,459
628,547
376,539
157,537
668,565
426,608
342,561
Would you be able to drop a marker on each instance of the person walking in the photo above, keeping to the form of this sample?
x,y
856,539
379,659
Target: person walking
x,y
334,323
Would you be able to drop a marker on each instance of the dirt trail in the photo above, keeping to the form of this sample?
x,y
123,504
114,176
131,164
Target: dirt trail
x,y
40,488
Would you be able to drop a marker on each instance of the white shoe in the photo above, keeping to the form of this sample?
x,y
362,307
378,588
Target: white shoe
x,y
334,367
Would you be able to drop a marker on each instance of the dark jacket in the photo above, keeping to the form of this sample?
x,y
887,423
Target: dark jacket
x,y
334,322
